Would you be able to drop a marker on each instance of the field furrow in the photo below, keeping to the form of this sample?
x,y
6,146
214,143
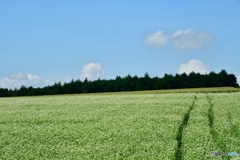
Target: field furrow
x,y
179,137
197,142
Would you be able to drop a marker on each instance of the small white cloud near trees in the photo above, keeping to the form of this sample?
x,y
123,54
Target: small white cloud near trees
x,y
18,79
193,65
92,71
238,79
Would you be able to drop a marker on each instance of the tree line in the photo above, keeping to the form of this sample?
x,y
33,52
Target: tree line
x,y
129,83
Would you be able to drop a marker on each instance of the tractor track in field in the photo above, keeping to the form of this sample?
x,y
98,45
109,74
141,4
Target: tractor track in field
x,y
213,132
178,151
210,116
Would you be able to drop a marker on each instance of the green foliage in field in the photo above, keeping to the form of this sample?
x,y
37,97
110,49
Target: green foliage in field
x,y
91,127
226,121
141,125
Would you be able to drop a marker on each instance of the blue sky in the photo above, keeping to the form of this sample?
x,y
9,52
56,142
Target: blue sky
x,y
42,42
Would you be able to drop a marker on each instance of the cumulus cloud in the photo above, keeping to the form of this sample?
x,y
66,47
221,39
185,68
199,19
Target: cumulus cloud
x,y
189,39
157,39
92,71
193,66
238,79
181,39
32,77
16,80
18,76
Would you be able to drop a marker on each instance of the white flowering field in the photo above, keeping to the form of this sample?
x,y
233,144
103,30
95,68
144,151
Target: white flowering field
x,y
120,126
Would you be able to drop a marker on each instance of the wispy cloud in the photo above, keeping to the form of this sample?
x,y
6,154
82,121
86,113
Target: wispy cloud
x,y
181,39
193,66
92,71
16,80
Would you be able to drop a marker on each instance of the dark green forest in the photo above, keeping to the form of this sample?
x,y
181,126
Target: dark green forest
x,y
129,83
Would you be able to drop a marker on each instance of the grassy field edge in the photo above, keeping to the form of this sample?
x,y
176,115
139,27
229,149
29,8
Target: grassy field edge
x,y
164,91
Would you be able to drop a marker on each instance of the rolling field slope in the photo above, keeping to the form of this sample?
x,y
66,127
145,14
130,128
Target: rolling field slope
x,y
120,126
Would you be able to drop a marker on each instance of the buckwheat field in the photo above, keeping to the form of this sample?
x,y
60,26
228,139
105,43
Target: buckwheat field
x,y
120,126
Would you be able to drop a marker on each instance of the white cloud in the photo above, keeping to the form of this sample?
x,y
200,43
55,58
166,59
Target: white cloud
x,y
189,39
18,76
181,32
181,39
195,66
16,80
157,39
92,71
32,77
238,79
